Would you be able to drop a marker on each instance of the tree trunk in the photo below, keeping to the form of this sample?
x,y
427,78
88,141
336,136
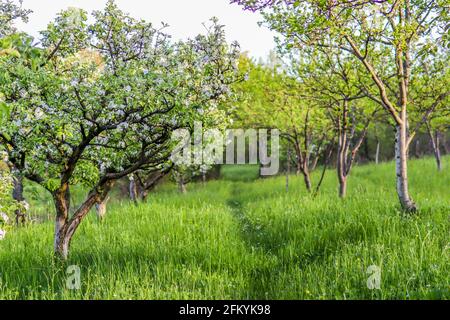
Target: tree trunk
x,y
61,198
100,207
377,153
417,148
343,187
299,167
203,177
314,163
17,195
288,168
401,166
435,144
65,227
181,185
340,165
307,179
132,189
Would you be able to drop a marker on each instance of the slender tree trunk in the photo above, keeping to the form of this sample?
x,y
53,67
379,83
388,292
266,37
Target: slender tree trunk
x,y
343,187
314,162
203,177
307,179
288,168
132,189
327,158
417,148
299,168
100,207
401,159
17,195
340,165
434,138
377,153
181,185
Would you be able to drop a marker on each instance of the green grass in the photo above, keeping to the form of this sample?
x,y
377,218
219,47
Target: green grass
x,y
241,238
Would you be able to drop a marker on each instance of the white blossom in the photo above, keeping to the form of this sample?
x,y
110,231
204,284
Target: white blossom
x,y
4,217
38,113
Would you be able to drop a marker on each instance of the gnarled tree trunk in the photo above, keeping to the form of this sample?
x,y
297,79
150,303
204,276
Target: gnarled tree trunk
x,y
61,198
65,227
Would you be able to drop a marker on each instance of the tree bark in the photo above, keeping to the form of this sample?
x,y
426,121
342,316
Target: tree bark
x,y
132,189
65,227
417,148
343,187
434,138
100,207
17,195
342,159
302,166
401,159
61,198
181,185
288,168
203,177
340,167
377,153
307,179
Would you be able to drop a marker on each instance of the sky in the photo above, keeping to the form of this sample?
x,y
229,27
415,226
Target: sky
x,y
185,18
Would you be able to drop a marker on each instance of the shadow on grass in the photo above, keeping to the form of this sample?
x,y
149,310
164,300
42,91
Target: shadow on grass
x,y
264,278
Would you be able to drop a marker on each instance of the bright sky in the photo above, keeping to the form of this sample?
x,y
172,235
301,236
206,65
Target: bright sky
x,y
185,18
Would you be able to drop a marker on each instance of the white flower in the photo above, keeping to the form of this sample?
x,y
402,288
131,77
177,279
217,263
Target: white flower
x,y
2,234
25,205
111,105
4,217
38,113
128,88
145,72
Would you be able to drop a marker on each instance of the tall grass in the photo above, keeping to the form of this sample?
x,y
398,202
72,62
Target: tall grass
x,y
243,238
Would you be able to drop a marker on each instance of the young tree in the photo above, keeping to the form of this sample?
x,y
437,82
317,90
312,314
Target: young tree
x,y
335,84
274,97
385,37
103,103
431,77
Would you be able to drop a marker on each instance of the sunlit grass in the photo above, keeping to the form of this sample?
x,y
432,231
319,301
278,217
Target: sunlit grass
x,y
242,238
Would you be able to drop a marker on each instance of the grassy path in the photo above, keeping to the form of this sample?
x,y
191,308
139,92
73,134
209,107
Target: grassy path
x,y
241,238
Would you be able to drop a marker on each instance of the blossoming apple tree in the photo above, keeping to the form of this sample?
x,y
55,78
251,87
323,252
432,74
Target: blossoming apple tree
x,y
103,102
